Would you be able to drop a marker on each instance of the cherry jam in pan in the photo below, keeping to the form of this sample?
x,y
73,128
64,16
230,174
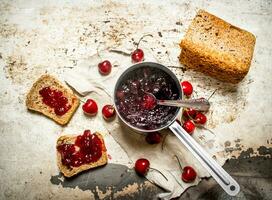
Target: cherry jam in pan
x,y
130,92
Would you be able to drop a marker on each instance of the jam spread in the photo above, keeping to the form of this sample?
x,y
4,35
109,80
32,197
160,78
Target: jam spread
x,y
87,149
55,99
133,104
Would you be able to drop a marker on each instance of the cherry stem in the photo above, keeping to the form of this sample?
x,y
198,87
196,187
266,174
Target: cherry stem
x,y
119,52
212,94
173,66
151,181
190,117
159,172
142,38
199,126
82,101
163,141
179,162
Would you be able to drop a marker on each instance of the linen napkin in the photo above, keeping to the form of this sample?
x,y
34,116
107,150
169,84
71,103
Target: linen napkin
x,y
86,80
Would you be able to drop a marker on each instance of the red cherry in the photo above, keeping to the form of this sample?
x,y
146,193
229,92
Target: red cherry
x,y
149,102
189,126
187,88
104,67
190,113
137,55
108,111
153,138
188,174
90,107
142,166
200,118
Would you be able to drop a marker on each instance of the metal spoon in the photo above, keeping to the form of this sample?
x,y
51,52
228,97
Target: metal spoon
x,y
197,104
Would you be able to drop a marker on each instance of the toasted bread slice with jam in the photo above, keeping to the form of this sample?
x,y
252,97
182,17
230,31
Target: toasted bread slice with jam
x,y
71,171
34,100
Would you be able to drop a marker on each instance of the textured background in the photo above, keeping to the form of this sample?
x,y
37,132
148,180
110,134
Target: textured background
x,y
47,36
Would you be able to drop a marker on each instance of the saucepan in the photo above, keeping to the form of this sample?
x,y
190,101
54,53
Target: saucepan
x,y
215,170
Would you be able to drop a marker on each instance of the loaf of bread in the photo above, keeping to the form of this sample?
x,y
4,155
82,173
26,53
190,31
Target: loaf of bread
x,y
68,172
34,100
217,48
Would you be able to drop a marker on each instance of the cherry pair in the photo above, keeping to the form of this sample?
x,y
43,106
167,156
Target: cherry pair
x,y
192,117
142,166
105,66
137,55
90,108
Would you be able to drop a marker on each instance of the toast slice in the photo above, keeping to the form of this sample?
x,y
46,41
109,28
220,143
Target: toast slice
x,y
68,172
217,48
34,99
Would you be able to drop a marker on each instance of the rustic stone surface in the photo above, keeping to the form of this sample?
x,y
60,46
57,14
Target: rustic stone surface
x,y
39,37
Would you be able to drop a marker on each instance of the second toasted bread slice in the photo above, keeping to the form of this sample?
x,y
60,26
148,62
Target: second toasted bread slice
x,y
71,171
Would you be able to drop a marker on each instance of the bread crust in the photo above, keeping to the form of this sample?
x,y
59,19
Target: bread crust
x,y
70,139
217,48
34,99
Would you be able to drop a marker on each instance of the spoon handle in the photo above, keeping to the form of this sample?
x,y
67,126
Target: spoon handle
x,y
217,172
197,104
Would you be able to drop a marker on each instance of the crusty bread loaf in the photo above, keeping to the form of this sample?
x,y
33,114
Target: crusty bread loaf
x,y
217,48
68,172
34,99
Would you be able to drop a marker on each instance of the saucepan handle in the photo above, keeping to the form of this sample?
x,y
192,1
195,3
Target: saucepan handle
x,y
215,170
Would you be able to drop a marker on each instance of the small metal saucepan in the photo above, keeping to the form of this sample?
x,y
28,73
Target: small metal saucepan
x,y
216,171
